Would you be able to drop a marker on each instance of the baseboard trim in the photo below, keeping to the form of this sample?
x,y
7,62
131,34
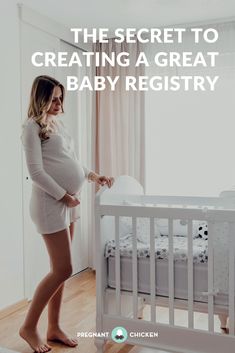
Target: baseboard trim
x,y
13,308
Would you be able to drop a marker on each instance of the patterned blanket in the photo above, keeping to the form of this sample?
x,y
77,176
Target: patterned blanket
x,y
200,248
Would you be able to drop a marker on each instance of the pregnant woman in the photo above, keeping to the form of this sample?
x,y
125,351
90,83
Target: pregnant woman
x,y
57,177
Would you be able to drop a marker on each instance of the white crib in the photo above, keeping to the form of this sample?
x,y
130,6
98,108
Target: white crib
x,y
119,307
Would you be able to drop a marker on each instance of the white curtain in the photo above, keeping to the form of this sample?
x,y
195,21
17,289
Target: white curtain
x,y
118,125
120,119
190,135
86,148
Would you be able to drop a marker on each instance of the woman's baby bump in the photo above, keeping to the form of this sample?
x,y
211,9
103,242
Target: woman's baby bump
x,y
61,164
68,173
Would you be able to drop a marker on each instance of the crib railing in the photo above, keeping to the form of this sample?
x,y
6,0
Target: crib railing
x,y
181,201
214,210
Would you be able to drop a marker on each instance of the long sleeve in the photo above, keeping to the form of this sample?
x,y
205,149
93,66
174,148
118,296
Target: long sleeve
x,y
86,171
33,153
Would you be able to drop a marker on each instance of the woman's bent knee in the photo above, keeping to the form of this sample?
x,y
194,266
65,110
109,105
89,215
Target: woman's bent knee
x,y
63,273
67,272
58,246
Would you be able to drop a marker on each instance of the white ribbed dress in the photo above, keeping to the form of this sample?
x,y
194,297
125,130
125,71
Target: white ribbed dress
x,y
54,170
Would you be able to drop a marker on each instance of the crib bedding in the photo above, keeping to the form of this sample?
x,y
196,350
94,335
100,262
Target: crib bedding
x,y
200,283
200,250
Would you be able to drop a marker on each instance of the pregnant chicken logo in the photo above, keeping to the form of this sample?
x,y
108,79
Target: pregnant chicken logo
x,y
119,334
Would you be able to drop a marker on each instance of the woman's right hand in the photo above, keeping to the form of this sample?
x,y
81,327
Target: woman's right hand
x,y
70,200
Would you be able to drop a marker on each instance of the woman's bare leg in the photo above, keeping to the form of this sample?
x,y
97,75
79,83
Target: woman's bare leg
x,y
54,331
58,247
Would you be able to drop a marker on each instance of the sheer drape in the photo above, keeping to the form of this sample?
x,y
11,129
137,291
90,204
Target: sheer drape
x,y
118,124
120,119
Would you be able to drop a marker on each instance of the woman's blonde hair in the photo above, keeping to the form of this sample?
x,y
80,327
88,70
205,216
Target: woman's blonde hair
x,y
40,101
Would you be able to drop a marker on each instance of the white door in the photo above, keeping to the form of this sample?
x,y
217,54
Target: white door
x,y
36,258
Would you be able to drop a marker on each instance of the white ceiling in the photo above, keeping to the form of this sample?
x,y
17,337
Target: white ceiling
x,y
132,13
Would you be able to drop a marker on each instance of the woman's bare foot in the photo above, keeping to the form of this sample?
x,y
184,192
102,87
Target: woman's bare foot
x,y
33,339
224,330
57,335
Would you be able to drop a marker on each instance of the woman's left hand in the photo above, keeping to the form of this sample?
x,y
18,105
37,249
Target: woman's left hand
x,y
102,180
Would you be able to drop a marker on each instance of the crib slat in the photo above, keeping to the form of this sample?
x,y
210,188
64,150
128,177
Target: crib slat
x,y
210,277
152,270
231,277
190,274
100,271
134,268
171,273
117,266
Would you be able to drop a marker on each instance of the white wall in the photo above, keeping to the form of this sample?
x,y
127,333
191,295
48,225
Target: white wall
x,y
11,236
190,134
190,140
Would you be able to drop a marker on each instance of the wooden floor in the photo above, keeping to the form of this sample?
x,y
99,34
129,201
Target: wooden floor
x,y
78,314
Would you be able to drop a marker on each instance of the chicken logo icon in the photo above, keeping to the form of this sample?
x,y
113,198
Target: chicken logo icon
x,y
119,334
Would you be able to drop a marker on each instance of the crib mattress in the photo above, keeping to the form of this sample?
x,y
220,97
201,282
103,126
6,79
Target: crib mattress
x,y
200,282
